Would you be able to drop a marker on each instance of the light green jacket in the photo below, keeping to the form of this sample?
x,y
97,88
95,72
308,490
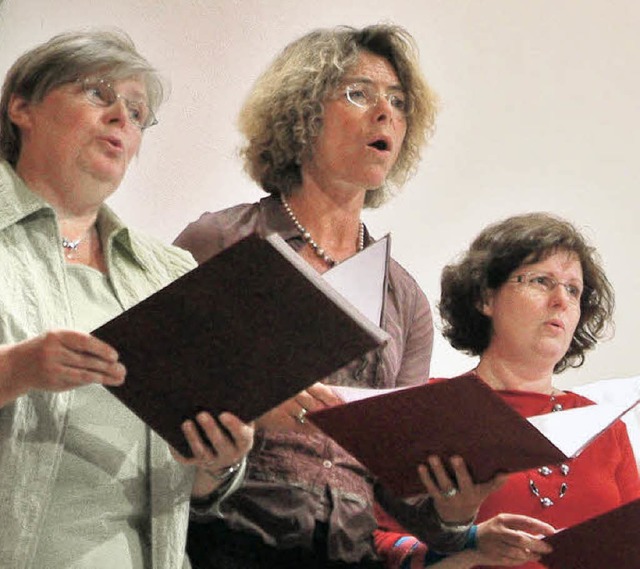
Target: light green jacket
x,y
34,297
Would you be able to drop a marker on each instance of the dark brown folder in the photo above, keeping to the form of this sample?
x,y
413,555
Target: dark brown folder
x,y
391,434
608,541
244,331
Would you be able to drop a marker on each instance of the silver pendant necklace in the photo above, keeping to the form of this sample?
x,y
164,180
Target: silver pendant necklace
x,y
545,471
317,249
70,246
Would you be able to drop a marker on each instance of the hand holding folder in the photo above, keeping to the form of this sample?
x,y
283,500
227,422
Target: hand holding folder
x,y
392,433
244,331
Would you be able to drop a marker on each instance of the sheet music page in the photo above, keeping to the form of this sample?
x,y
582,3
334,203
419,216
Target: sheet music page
x,y
572,430
361,279
349,394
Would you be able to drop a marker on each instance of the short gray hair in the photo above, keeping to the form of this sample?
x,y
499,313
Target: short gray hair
x,y
65,58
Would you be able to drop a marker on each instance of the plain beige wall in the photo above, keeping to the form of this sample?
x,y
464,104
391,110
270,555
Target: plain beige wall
x,y
540,111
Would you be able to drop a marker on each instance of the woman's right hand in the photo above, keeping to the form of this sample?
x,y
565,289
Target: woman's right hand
x,y
456,497
290,415
58,360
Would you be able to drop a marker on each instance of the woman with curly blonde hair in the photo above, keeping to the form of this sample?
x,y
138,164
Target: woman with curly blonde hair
x,y
335,124
284,114
85,483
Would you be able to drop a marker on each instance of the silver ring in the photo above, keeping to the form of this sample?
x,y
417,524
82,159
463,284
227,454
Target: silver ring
x,y
224,472
450,493
300,417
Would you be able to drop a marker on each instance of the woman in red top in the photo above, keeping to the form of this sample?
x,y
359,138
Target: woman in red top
x,y
529,297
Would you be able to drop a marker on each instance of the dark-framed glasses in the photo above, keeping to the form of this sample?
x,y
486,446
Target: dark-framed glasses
x,y
366,96
101,93
546,284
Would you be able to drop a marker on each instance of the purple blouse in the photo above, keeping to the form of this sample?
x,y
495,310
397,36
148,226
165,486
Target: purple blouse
x,y
295,480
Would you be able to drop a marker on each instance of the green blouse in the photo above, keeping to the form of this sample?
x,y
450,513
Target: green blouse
x,y
98,517
36,294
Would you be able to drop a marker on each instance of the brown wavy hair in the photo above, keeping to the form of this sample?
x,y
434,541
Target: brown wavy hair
x,y
499,250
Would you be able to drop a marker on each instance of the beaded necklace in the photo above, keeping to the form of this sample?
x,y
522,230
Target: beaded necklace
x,y
544,471
317,249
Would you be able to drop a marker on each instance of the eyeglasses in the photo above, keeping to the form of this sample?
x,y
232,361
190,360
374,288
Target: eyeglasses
x,y
99,92
546,284
366,96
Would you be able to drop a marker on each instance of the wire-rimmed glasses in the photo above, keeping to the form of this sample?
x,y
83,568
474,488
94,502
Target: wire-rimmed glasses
x,y
366,96
101,93
546,284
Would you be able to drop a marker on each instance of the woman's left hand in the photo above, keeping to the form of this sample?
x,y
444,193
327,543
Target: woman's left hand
x,y
291,414
456,500
223,452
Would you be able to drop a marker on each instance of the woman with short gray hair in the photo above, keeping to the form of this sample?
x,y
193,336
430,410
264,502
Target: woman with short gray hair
x,y
85,483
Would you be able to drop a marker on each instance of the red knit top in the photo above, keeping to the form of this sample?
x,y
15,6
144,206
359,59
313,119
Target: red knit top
x,y
602,477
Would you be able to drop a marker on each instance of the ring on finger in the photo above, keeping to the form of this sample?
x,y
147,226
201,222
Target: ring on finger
x,y
301,416
450,493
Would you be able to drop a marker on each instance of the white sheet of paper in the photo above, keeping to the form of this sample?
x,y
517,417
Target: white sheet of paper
x,y
572,430
361,279
349,394
617,390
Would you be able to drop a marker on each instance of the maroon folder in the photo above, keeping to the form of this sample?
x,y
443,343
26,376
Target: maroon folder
x,y
244,331
391,434
608,541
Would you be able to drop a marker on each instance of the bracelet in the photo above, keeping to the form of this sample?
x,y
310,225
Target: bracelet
x,y
472,538
223,473
456,526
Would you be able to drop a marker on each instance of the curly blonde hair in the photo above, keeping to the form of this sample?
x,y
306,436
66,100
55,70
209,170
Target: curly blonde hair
x,y
283,115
